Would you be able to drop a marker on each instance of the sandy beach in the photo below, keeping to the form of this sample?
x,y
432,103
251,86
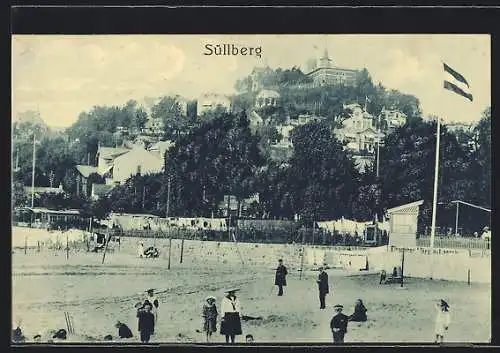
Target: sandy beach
x,y
46,284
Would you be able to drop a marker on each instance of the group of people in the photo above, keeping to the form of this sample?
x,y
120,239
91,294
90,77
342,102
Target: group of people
x,y
231,314
339,322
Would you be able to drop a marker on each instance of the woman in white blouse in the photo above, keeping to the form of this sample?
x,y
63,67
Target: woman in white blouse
x,y
230,315
443,320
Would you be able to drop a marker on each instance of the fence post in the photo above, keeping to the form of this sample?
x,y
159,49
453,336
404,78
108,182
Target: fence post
x,y
67,247
468,276
25,244
38,245
402,267
182,248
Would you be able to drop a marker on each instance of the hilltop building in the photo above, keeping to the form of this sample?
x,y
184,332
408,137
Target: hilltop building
x,y
326,73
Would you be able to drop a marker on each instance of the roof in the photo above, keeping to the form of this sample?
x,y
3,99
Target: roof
x,y
46,210
408,208
162,145
113,214
254,116
42,189
86,170
268,93
138,149
331,68
101,189
111,152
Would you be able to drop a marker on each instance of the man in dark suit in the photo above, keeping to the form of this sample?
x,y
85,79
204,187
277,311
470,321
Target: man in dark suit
x,y
323,287
146,322
280,279
339,324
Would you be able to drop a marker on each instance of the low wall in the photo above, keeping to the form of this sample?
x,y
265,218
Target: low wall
x,y
34,237
452,265
444,264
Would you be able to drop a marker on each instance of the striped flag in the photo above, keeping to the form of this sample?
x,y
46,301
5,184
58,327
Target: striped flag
x,y
455,82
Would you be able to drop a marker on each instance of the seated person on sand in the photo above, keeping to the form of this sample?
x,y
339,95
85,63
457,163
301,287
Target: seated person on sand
x,y
249,338
60,334
17,335
359,314
151,252
123,330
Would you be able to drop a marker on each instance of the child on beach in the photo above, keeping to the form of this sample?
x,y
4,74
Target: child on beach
x,y
209,316
443,320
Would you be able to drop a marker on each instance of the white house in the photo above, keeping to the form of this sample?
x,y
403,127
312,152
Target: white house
x,y
286,132
106,157
136,161
393,117
211,101
267,98
358,131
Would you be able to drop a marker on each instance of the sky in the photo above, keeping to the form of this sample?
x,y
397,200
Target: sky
x,y
62,75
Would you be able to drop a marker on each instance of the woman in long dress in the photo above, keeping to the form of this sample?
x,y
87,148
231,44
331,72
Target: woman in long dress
x,y
230,316
443,320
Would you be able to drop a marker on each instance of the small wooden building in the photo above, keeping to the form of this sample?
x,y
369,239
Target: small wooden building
x,y
403,224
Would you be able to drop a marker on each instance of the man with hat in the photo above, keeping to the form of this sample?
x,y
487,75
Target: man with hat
x,y
146,322
322,287
280,278
151,299
339,324
230,315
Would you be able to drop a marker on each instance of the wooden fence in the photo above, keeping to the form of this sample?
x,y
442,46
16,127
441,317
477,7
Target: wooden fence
x,y
455,243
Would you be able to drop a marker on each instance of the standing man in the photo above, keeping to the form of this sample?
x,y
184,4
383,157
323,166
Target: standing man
x,y
339,324
146,322
151,298
280,279
323,287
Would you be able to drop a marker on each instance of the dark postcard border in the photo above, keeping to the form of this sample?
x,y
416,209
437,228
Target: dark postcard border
x,y
218,20
225,20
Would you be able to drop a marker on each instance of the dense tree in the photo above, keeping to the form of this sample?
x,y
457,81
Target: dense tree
x,y
219,157
169,111
322,177
407,168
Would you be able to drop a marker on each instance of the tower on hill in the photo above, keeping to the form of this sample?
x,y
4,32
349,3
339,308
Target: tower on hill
x,y
327,74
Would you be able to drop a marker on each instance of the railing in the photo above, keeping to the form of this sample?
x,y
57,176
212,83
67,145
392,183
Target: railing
x,y
455,243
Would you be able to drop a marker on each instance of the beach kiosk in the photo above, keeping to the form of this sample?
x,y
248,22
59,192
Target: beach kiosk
x,y
403,224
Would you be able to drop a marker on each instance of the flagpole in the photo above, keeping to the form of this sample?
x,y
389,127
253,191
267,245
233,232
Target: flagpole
x,y
33,174
436,176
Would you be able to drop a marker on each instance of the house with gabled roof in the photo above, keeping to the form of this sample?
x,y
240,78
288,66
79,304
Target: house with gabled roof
x,y
106,157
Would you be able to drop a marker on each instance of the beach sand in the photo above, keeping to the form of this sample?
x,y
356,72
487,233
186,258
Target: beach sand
x,y
47,284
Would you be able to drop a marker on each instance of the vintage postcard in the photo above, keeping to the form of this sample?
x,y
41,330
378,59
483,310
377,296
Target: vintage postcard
x,y
251,189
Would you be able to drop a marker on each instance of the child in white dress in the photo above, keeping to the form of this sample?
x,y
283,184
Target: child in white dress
x,y
443,320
